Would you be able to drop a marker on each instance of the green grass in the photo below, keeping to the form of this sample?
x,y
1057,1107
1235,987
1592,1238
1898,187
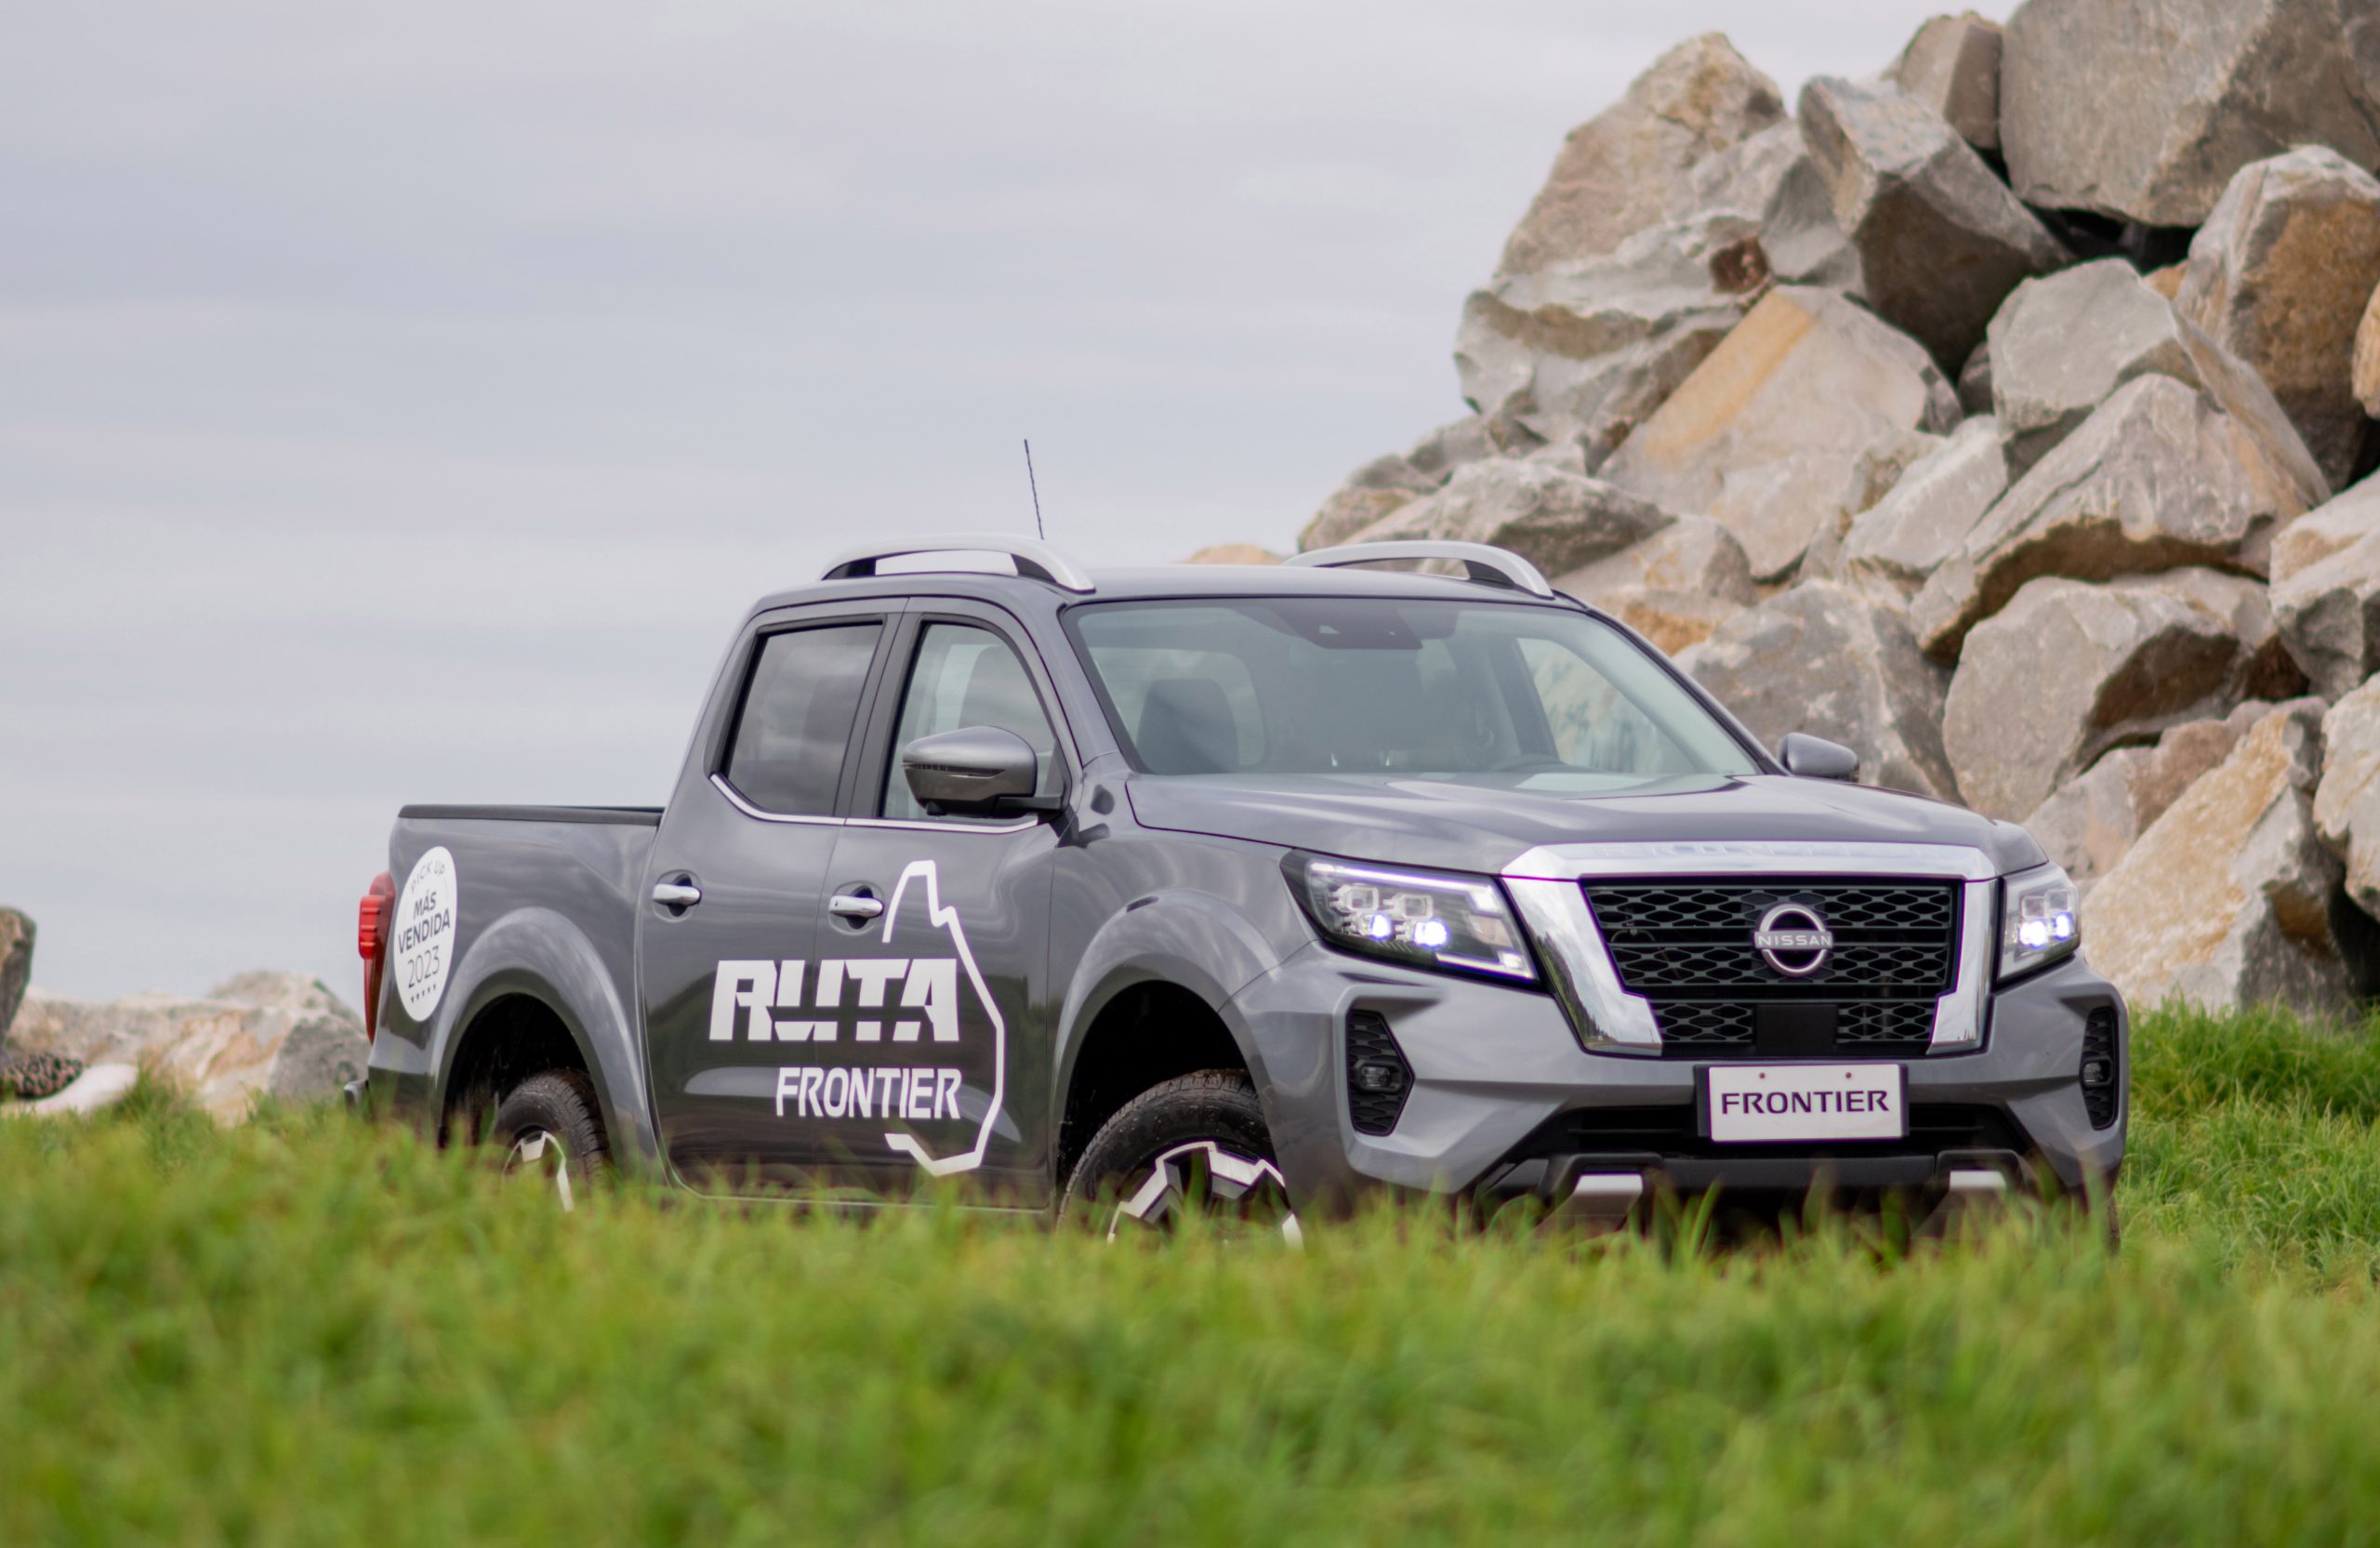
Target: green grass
x,y
308,1332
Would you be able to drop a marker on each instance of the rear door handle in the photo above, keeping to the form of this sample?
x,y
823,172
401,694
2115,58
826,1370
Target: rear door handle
x,y
854,905
676,895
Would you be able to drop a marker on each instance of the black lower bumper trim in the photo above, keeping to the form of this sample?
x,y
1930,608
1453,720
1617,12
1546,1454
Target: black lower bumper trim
x,y
1664,1146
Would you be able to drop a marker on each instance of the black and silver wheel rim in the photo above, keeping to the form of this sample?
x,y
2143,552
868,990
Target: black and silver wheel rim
x,y
539,1155
1206,1177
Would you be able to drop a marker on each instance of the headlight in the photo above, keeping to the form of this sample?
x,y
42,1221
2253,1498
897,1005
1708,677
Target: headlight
x,y
2038,920
1453,923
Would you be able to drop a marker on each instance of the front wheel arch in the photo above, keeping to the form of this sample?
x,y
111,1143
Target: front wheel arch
x,y
1214,1111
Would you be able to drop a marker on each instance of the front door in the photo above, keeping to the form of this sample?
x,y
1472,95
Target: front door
x,y
932,1003
731,911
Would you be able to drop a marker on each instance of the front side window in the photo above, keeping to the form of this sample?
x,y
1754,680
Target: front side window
x,y
1540,697
795,726
965,677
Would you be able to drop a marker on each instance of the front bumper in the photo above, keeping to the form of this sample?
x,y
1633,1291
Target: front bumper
x,y
1504,1097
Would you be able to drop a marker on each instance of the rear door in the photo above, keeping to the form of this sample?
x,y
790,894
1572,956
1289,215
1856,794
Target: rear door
x,y
731,920
934,956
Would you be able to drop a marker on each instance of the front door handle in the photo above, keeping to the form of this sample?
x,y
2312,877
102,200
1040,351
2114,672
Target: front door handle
x,y
854,905
676,895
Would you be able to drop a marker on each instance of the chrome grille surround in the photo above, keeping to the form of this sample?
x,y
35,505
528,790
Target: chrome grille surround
x,y
1548,885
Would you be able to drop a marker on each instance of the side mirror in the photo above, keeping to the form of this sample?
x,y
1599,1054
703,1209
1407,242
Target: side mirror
x,y
1816,758
974,770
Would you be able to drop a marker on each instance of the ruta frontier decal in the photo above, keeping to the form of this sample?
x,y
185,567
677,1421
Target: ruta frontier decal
x,y
888,1001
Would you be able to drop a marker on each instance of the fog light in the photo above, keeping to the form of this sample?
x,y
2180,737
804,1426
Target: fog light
x,y
2101,1073
1379,1079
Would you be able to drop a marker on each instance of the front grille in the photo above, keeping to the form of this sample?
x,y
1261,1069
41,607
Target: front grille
x,y
1885,1021
1686,947
1705,1022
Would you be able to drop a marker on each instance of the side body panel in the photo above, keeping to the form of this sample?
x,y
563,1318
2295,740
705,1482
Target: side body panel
x,y
721,984
948,1001
544,907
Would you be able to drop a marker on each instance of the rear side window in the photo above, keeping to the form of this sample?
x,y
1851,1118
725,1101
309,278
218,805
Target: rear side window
x,y
796,723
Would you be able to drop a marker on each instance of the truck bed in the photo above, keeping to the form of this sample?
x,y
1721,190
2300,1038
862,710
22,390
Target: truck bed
x,y
553,894
641,816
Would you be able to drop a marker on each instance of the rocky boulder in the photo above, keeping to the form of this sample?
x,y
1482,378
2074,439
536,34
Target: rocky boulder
x,y
2062,345
1583,351
1557,520
2326,591
2068,670
1234,553
1614,175
1940,239
1927,516
1952,66
16,965
1771,180
35,1077
1386,483
2367,357
2279,276
2227,900
1824,660
2143,110
261,1033
1693,553
2347,803
2091,823
1778,431
1347,511
2156,479
1672,620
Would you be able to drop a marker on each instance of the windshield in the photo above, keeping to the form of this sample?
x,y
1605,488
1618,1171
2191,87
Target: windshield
x,y
1473,692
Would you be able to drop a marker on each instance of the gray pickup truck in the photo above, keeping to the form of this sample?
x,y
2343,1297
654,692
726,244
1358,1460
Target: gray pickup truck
x,y
1241,888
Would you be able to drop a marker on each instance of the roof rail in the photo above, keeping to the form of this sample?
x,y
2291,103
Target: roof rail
x,y
1490,566
1034,561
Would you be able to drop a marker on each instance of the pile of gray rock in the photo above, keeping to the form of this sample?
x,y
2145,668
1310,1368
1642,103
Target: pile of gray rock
x,y
2004,416
280,1034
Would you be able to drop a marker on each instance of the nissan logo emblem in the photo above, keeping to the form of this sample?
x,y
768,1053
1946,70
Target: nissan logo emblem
x,y
1793,940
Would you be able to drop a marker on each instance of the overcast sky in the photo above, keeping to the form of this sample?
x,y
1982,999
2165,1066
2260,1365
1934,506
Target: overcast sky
x,y
401,403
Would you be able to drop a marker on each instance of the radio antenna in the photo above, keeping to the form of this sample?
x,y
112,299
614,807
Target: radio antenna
x,y
1029,483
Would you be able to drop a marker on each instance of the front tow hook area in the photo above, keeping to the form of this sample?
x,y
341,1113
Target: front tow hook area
x,y
1967,1194
1599,1202
1946,1191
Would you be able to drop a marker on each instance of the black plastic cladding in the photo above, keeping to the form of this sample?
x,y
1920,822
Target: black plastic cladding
x,y
1369,1042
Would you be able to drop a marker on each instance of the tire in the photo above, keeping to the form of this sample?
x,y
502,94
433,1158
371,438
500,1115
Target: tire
x,y
548,1128
1199,1141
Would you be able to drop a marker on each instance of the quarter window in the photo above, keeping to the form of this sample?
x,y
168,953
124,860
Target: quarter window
x,y
796,723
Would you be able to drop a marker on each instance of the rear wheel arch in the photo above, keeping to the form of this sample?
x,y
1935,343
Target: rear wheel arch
x,y
513,1035
544,957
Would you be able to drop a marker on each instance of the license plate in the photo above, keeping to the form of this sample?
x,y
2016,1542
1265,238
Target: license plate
x,y
1769,1103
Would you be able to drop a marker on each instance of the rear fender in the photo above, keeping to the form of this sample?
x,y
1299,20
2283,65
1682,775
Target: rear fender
x,y
541,955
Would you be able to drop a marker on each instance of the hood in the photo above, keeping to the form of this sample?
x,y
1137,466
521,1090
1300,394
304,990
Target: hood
x,y
1483,828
